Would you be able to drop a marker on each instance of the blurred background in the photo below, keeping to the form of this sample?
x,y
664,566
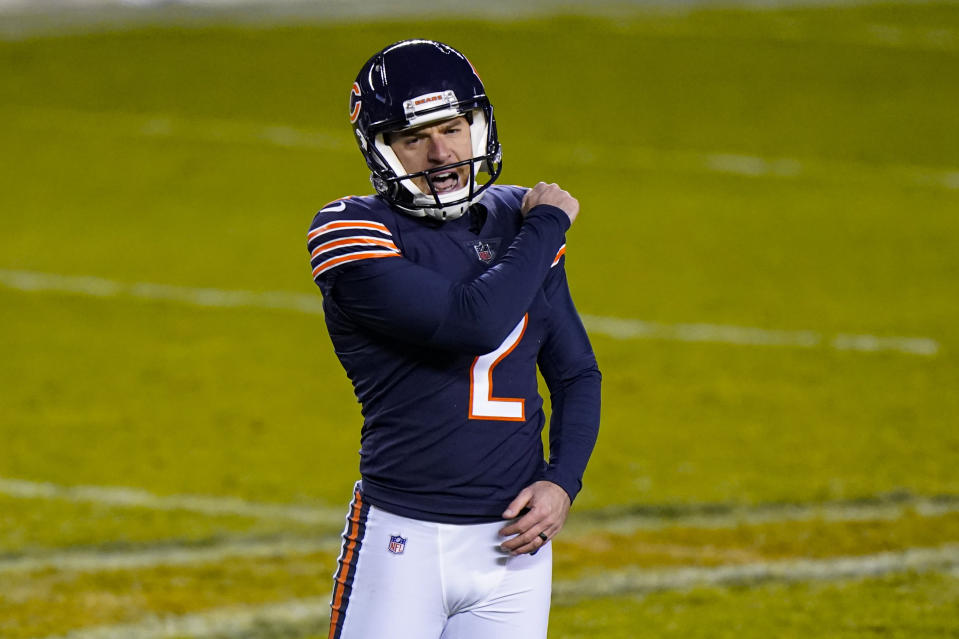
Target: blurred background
x,y
767,263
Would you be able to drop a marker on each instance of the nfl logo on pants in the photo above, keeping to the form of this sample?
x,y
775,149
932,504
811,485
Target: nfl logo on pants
x,y
397,544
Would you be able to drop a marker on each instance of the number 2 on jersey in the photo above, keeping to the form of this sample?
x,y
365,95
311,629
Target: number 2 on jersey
x,y
482,403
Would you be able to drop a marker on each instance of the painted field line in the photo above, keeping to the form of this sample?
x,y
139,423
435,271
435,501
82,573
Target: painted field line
x,y
241,131
26,17
35,282
580,525
581,522
207,505
308,616
718,516
636,581
99,561
642,158
616,328
768,167
796,29
234,131
298,617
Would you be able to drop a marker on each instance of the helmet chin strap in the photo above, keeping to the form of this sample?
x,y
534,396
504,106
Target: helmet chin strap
x,y
423,203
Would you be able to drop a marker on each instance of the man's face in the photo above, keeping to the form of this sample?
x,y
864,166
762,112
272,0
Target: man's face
x,y
432,146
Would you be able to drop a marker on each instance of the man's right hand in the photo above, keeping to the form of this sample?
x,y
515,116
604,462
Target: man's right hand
x,y
550,194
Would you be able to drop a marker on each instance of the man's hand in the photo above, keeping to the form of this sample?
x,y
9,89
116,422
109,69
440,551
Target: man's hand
x,y
550,194
548,506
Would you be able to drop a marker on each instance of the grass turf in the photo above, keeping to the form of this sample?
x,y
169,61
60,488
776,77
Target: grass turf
x,y
196,157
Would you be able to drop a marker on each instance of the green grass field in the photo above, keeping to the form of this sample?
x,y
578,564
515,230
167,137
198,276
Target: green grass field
x,y
774,192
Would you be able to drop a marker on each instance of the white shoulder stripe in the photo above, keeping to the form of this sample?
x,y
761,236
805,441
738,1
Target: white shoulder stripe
x,y
334,208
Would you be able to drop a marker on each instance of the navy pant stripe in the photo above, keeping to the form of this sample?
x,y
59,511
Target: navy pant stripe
x,y
349,557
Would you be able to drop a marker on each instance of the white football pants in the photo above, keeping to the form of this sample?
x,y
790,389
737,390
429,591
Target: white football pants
x,y
402,578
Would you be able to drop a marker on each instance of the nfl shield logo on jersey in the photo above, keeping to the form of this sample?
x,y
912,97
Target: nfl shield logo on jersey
x,y
397,545
484,251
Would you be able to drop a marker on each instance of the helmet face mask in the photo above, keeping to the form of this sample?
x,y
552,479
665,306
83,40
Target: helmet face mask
x,y
409,85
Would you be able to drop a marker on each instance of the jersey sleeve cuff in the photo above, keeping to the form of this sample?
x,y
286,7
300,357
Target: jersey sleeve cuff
x,y
543,210
572,485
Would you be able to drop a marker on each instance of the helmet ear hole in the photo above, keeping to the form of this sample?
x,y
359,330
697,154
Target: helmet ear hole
x,y
379,184
480,134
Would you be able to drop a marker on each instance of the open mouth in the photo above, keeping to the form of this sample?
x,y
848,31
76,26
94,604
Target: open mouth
x,y
445,182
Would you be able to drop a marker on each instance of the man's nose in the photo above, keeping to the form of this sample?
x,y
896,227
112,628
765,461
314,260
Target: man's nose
x,y
439,150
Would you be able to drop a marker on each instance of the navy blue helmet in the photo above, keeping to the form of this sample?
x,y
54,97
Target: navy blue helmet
x,y
413,83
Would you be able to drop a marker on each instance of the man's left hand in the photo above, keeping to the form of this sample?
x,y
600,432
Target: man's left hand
x,y
548,506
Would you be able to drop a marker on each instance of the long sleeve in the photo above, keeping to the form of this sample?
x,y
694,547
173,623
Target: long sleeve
x,y
569,367
412,303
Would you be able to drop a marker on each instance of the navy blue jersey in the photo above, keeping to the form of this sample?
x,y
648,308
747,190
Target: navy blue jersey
x,y
440,327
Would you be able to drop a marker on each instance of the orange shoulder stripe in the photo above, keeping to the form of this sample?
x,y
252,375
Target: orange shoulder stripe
x,y
352,257
353,241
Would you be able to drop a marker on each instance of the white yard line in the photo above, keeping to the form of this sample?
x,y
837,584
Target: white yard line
x,y
303,616
579,526
642,158
124,497
822,170
748,336
335,140
332,518
616,328
35,282
717,516
376,10
101,560
308,616
27,17
636,581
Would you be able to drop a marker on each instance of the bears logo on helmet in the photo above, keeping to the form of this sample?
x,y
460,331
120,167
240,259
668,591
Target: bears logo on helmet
x,y
355,102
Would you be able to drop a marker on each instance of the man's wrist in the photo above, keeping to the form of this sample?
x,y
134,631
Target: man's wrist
x,y
571,486
548,210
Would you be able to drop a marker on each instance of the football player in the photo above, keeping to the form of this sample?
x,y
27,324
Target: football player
x,y
443,293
